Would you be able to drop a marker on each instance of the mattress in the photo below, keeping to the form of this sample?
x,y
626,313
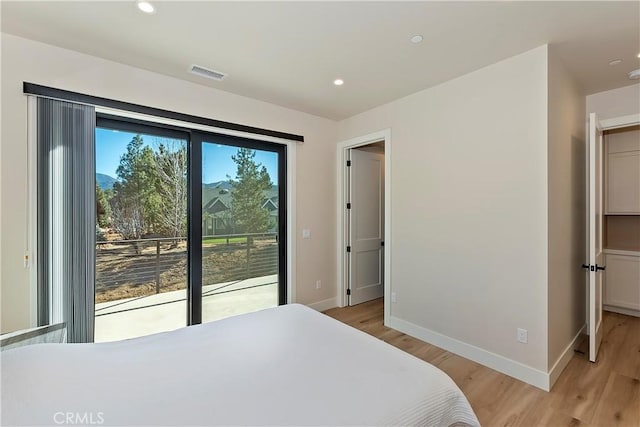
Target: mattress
x,y
283,366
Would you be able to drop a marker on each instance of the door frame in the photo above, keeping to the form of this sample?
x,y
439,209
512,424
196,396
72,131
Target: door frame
x,y
383,136
291,146
605,124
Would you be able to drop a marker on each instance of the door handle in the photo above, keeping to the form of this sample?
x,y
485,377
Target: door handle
x,y
594,268
588,267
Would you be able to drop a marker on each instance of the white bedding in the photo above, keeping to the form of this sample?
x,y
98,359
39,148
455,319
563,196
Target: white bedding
x,y
284,366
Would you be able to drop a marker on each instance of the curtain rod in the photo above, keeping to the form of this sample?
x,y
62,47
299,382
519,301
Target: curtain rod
x,y
65,95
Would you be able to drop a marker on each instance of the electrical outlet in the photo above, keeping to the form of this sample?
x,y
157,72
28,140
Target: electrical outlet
x,y
522,335
306,233
394,297
318,284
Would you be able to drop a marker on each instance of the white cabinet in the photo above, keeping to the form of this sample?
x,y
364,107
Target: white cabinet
x,y
622,281
623,172
623,183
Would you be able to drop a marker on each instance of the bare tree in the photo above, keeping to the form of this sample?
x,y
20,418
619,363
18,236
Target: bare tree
x,y
171,171
127,219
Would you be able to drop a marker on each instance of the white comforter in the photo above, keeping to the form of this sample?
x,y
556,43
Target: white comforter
x,y
284,366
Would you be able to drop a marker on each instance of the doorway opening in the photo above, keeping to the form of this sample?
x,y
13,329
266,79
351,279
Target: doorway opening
x,y
364,219
612,177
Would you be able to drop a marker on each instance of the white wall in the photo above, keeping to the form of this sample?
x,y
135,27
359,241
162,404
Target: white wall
x,y
469,211
566,171
25,60
623,101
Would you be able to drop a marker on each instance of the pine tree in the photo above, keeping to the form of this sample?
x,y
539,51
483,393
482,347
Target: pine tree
x,y
103,210
249,190
136,204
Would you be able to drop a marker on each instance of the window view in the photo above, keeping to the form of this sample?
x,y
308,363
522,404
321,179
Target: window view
x,y
141,229
240,210
142,225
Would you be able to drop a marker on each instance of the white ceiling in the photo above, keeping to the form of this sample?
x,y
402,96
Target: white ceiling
x,y
289,53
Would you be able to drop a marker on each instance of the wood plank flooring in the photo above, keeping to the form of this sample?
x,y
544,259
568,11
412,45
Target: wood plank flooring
x,y
606,393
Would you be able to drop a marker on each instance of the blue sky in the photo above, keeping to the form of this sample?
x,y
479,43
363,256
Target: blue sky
x,y
216,158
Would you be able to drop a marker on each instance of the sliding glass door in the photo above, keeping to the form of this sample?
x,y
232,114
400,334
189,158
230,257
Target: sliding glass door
x,y
141,230
191,227
242,225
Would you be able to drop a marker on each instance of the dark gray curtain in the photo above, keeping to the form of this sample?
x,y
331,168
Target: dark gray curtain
x,y
66,216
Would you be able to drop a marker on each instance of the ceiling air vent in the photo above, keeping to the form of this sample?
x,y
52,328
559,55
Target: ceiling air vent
x,y
205,72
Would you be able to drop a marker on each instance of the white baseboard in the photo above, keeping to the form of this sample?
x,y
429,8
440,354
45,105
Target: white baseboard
x,y
494,361
564,358
323,305
621,310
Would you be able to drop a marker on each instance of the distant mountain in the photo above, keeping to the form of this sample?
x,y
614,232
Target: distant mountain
x,y
222,185
105,181
212,189
226,185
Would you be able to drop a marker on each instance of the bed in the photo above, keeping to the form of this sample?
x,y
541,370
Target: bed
x,y
284,366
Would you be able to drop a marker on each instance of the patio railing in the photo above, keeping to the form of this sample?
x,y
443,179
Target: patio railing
x,y
133,268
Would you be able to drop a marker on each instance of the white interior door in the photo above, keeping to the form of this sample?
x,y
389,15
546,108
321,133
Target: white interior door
x,y
366,226
596,257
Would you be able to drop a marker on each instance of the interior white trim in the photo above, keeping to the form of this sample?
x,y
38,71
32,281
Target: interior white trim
x,y
341,156
621,252
323,305
621,310
502,364
291,174
291,221
565,357
32,211
620,122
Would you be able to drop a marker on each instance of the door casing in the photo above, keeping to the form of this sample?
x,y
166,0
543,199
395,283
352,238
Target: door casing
x,y
341,192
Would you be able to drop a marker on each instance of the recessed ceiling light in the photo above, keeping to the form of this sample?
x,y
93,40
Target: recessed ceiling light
x,y
146,7
338,82
417,39
615,62
635,74
639,55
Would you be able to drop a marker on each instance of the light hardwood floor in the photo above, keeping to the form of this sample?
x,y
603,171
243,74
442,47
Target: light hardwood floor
x,y
606,393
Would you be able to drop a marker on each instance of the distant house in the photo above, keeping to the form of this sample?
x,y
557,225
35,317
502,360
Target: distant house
x,y
216,209
271,204
216,216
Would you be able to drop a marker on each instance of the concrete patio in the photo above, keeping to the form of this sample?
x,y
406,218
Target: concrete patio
x,y
134,317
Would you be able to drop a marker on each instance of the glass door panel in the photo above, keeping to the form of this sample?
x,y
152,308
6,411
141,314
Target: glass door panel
x,y
141,230
241,219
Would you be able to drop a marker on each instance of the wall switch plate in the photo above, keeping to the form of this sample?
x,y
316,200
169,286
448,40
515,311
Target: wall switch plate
x,y
306,233
522,335
318,284
394,297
